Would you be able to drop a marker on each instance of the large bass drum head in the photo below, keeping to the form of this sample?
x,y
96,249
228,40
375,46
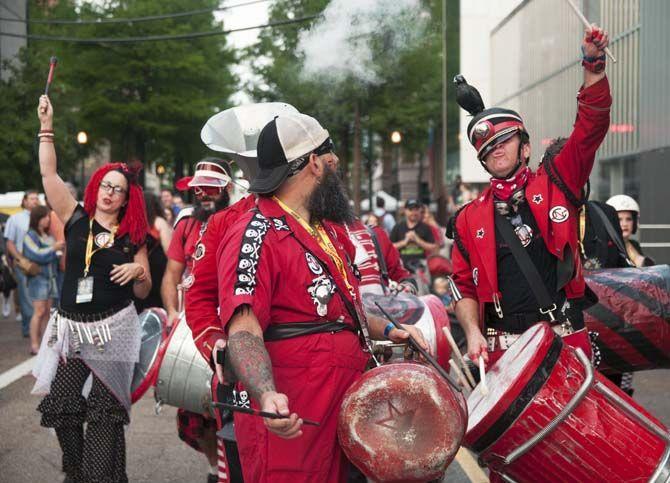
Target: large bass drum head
x,y
401,422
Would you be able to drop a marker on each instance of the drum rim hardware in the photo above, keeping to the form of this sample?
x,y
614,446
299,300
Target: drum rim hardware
x,y
578,397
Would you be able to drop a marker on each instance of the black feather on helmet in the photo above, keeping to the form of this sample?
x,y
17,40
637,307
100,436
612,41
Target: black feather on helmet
x,y
488,127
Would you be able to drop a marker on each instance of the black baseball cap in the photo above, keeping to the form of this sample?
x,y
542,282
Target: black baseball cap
x,y
283,140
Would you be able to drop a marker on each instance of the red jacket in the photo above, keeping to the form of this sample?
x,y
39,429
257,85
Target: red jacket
x,y
202,298
557,218
268,261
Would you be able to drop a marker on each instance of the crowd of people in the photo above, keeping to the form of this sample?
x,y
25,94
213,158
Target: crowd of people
x,y
275,283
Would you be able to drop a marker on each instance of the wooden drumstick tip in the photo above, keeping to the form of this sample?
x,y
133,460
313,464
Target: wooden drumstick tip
x,y
482,378
455,350
459,374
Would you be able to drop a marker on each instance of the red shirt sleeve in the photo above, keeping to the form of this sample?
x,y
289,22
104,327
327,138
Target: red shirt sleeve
x,y
176,249
202,298
244,270
575,161
396,270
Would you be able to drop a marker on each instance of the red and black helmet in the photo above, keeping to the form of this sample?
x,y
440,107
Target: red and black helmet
x,y
488,127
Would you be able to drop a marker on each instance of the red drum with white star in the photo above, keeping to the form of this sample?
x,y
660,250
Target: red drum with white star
x,y
401,422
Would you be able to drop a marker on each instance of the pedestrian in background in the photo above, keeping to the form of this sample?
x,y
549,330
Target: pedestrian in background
x,y
167,199
42,249
15,231
158,242
386,219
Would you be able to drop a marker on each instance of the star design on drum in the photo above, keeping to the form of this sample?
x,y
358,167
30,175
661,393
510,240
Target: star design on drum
x,y
397,421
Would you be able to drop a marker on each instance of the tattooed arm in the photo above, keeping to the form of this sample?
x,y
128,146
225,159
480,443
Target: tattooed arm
x,y
251,363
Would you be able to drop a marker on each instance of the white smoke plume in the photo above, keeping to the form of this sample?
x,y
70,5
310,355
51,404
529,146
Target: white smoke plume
x,y
339,46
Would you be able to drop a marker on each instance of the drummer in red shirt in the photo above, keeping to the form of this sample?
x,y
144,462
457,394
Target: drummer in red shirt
x,y
525,212
290,303
211,186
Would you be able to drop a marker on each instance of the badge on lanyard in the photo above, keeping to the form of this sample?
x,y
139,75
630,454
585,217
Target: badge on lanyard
x,y
84,290
102,240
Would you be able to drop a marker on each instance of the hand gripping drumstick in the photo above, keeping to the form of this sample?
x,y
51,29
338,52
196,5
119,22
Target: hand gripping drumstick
x,y
52,68
256,412
415,345
482,377
587,24
459,356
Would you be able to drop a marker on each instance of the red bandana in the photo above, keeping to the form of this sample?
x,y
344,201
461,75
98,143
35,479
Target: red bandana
x,y
503,189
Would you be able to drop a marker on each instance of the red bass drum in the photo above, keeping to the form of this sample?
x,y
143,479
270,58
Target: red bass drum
x,y
632,318
401,422
549,416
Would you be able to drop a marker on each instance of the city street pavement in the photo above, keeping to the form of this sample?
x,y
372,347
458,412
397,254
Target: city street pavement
x,y
30,453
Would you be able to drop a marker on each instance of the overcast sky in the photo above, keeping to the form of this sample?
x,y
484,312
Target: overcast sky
x,y
245,16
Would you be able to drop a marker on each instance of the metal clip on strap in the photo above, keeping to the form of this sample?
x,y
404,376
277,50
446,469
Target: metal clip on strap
x,y
498,307
550,312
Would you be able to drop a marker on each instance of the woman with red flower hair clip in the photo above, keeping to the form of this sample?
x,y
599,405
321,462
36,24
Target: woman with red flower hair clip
x,y
95,331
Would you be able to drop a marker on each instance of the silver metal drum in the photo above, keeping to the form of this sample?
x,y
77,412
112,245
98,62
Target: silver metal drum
x,y
152,323
185,378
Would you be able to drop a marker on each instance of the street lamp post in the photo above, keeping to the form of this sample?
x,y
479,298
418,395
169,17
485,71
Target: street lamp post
x,y
396,138
82,138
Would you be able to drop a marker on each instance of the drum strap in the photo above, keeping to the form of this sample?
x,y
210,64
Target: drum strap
x,y
276,332
380,256
615,237
546,302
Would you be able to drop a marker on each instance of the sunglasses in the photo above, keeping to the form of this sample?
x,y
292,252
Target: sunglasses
x,y
326,147
211,191
112,189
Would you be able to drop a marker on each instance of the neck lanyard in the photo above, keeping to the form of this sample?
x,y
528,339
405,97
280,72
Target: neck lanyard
x,y
321,236
89,245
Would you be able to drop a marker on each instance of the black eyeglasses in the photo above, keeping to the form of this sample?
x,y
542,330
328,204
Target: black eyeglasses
x,y
110,188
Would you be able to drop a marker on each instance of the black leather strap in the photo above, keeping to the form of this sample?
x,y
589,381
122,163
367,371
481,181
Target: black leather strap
x,y
380,256
277,332
611,232
528,268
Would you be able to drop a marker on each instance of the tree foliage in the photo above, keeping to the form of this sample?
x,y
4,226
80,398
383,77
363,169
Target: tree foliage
x,y
148,99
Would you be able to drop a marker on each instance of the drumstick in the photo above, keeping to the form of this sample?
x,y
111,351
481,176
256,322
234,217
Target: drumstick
x,y
52,68
459,356
482,377
415,345
459,374
257,412
587,24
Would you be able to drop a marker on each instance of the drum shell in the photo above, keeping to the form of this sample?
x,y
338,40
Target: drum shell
x,y
153,322
632,318
598,441
184,379
370,427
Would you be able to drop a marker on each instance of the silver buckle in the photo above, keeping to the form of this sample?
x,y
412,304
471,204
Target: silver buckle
x,y
550,312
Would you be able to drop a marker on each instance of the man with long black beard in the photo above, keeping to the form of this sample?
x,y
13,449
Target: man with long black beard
x,y
211,186
290,303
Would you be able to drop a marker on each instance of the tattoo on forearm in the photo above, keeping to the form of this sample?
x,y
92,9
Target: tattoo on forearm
x,y
251,363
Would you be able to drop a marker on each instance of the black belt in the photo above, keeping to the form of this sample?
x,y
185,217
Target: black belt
x,y
519,323
95,316
290,330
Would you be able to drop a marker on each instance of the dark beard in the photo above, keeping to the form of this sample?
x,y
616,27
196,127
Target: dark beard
x,y
329,200
202,214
